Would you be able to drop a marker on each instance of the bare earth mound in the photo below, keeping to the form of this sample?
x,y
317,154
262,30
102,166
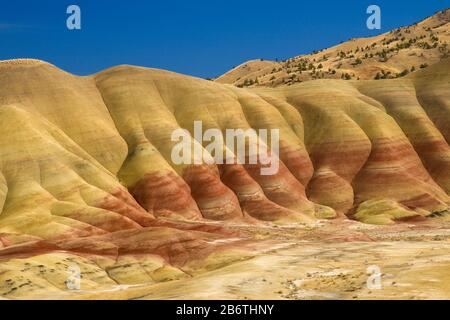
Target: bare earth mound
x,y
87,182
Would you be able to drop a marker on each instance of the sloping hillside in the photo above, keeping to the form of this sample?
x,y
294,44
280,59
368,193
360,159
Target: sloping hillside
x,y
390,55
87,178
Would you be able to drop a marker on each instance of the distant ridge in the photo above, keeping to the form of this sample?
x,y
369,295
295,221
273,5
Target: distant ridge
x,y
389,55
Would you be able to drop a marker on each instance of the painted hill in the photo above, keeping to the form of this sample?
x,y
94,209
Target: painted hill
x,y
86,175
389,55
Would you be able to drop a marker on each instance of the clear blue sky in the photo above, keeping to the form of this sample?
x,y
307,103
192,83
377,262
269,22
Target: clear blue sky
x,y
197,37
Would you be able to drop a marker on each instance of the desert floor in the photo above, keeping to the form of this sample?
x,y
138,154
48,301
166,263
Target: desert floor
x,y
327,261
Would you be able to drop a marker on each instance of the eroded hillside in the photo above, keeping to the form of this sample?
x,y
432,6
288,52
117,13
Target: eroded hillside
x,y
86,175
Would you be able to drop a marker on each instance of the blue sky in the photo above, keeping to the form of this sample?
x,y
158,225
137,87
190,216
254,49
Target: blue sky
x,y
196,37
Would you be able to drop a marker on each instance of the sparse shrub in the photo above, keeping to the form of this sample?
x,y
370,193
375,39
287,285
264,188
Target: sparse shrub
x,y
357,61
403,73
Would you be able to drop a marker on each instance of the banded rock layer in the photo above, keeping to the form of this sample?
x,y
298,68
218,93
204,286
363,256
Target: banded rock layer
x,y
85,162
102,145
